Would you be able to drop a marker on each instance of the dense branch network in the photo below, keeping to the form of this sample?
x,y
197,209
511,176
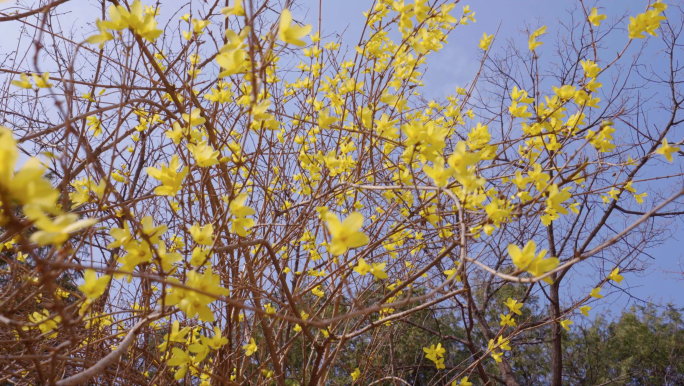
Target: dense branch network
x,y
230,199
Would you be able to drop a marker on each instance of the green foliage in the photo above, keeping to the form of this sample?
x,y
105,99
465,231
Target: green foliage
x,y
643,347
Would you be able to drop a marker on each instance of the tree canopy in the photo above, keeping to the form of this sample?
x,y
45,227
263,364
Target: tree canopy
x,y
222,193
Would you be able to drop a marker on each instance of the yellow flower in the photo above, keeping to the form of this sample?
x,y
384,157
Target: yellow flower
x,y
231,62
204,154
318,291
585,310
250,348
199,256
101,38
378,270
462,382
522,258
217,341
118,177
269,309
44,324
503,343
200,349
595,293
485,41
667,150
356,374
23,83
182,360
536,265
94,287
433,353
541,266
175,335
507,320
95,125
241,223
122,237
566,324
143,25
556,198
438,173
194,303
640,197
594,17
647,22
176,134
236,9
55,231
43,81
362,268
203,235
151,231
27,186
169,176
199,25
514,306
615,276
194,118
345,234
498,210
533,43
291,33
62,293
451,272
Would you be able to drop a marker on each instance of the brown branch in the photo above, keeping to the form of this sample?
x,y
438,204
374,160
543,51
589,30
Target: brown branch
x,y
108,360
45,8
